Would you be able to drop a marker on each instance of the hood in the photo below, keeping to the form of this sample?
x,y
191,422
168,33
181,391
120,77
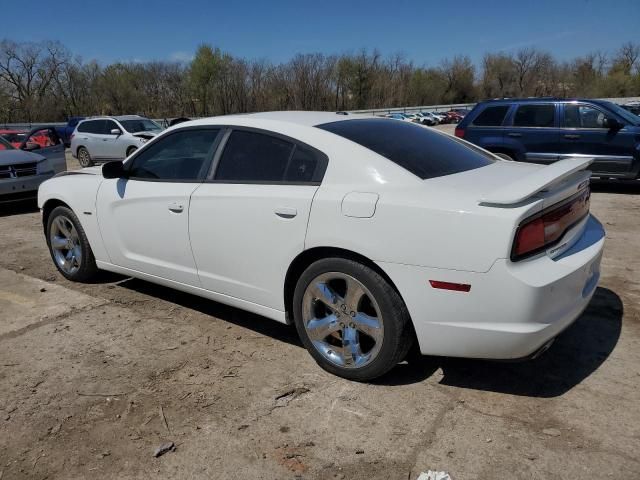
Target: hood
x,y
13,157
147,135
96,170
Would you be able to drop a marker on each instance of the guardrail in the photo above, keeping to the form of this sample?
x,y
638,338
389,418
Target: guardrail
x,y
164,122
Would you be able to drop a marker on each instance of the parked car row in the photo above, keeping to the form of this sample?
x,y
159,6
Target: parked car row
x,y
430,118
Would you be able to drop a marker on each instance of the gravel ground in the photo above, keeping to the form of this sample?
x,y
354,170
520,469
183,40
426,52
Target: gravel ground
x,y
93,378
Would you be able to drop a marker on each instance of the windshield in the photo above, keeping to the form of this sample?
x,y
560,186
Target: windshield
x,y
4,145
423,152
627,115
140,125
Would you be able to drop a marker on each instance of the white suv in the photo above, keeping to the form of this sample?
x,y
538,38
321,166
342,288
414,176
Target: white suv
x,y
102,139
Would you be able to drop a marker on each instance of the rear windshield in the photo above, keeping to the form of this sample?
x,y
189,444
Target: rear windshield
x,y
425,153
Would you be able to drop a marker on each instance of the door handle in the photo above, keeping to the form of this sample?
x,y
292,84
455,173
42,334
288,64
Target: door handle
x,y
514,134
572,136
176,207
286,212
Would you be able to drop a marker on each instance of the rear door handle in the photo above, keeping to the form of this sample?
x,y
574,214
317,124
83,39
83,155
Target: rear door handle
x,y
176,207
286,212
572,136
513,134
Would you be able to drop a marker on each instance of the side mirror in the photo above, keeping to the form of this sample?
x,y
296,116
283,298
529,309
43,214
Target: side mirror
x,y
116,131
30,146
114,170
612,124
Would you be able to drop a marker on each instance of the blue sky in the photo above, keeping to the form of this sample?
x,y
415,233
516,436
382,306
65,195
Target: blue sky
x,y
424,31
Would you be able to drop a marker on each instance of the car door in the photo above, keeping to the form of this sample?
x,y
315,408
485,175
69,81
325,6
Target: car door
x,y
533,129
85,136
249,220
47,142
144,218
584,133
110,144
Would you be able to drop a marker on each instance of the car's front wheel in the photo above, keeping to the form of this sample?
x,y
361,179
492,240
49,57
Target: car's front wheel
x,y
354,324
84,158
69,246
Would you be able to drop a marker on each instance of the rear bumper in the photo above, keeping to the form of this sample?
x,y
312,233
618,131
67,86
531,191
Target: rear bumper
x,y
11,188
511,311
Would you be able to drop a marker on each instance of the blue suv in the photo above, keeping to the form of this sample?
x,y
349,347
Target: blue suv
x,y
543,130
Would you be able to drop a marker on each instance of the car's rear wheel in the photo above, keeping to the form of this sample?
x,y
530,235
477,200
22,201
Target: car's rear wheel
x,y
130,150
351,320
69,246
84,158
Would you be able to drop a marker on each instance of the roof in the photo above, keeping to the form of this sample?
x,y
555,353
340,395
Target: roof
x,y
541,99
310,119
114,117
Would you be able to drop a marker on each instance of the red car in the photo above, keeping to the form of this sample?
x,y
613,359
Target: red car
x,y
14,137
453,116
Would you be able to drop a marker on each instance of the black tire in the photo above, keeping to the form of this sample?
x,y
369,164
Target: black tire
x,y
130,150
398,332
87,269
84,158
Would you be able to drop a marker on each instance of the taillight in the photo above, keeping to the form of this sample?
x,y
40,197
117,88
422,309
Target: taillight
x,y
459,132
546,228
71,136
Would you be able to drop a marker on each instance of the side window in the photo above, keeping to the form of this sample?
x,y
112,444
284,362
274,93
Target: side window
x,y
535,116
45,138
303,165
107,126
491,116
182,155
254,157
85,127
571,116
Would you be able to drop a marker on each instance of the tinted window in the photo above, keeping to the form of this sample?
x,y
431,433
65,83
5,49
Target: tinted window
x,y
583,116
180,156
535,116
251,157
491,116
91,126
46,137
107,126
302,166
423,152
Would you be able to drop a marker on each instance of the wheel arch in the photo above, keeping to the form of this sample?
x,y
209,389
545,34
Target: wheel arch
x,y
49,206
307,257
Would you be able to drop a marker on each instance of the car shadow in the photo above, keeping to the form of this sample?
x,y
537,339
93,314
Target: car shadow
x,y
577,353
8,209
241,318
627,187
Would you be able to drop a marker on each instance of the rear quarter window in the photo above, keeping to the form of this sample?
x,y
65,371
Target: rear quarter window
x,y
491,116
423,152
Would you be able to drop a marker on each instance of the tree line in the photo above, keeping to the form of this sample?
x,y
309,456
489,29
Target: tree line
x,y
44,81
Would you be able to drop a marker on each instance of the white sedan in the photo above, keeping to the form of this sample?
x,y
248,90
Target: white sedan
x,y
371,235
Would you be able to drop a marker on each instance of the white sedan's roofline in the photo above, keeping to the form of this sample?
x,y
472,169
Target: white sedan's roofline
x,y
303,118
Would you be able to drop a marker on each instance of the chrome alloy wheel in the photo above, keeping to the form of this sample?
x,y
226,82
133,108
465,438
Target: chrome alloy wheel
x,y
65,245
342,320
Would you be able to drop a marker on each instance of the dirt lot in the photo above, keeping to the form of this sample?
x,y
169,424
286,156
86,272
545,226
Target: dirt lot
x,y
94,377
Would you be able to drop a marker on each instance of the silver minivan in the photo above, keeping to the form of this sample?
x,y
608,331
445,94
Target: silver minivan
x,y
103,139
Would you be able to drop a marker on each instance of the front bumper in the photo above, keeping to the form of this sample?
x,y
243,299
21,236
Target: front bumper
x,y
17,188
512,310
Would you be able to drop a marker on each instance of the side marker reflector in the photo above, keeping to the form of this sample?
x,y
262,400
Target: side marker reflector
x,y
456,287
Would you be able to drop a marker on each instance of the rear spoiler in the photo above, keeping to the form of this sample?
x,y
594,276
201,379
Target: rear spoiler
x,y
531,184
